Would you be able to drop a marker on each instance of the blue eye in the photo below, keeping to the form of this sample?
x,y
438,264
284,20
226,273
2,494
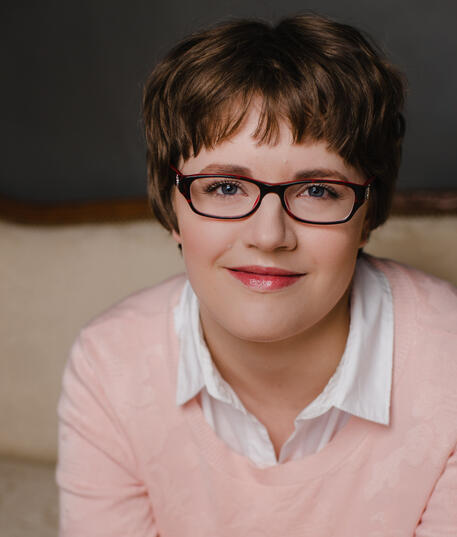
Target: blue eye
x,y
316,191
228,189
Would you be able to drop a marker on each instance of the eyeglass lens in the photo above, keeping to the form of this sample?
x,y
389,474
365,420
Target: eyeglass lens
x,y
232,197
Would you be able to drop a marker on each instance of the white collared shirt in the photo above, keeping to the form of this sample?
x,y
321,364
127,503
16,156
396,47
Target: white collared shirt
x,y
360,386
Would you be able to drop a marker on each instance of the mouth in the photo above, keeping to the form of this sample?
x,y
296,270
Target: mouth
x,y
261,278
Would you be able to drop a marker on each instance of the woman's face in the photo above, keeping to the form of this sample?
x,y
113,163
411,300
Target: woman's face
x,y
254,304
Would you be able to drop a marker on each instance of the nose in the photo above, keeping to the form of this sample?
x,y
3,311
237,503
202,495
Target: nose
x,y
270,228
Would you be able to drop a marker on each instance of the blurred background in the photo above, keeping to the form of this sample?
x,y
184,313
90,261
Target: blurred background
x,y
76,234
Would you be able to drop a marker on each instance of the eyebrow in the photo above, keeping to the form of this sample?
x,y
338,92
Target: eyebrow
x,y
313,173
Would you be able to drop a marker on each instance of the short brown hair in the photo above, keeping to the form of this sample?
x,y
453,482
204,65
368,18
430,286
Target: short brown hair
x,y
322,77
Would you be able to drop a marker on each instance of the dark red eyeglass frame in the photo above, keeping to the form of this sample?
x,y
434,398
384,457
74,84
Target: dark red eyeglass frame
x,y
183,183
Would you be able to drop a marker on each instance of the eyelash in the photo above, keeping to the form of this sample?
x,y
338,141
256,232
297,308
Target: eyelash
x,y
213,186
327,187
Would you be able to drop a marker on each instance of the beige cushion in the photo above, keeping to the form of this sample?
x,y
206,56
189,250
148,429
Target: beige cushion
x,y
28,499
427,243
54,279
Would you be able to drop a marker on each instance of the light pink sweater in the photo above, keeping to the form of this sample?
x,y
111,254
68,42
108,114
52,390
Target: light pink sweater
x,y
134,464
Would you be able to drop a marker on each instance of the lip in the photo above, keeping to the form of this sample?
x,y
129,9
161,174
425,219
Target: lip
x,y
261,278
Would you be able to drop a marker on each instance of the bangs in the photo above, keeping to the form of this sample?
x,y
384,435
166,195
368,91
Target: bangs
x,y
215,87
308,105
228,118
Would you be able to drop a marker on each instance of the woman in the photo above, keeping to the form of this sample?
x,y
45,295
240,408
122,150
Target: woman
x,y
288,384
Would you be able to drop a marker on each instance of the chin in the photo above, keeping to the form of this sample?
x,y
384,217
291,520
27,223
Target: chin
x,y
263,331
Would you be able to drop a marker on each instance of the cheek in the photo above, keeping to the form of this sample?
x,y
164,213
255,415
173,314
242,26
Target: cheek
x,y
336,243
332,255
203,242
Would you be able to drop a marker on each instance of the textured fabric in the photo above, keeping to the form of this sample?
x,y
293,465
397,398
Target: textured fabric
x,y
133,463
360,386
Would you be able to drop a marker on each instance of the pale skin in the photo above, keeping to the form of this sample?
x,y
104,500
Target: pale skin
x,y
276,349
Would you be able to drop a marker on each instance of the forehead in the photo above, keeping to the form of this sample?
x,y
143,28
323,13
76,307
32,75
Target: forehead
x,y
282,158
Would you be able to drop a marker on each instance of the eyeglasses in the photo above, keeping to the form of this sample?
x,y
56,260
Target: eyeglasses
x,y
232,197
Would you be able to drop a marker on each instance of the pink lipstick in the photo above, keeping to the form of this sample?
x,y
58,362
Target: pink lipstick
x,y
264,278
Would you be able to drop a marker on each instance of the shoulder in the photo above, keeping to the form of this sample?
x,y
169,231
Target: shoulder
x,y
143,308
425,327
127,342
118,382
432,302
425,341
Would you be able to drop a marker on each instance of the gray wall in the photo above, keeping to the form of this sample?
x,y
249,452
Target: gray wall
x,y
72,73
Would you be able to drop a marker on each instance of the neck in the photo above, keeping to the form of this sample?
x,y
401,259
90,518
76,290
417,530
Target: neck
x,y
290,372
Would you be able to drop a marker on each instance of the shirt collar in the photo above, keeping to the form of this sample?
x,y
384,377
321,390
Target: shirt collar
x,y
361,385
196,368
